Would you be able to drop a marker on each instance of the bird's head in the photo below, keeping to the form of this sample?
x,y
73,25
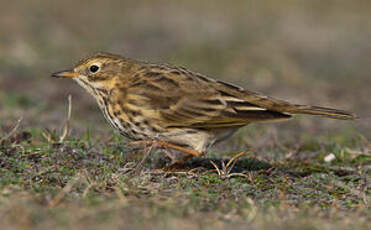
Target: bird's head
x,y
97,71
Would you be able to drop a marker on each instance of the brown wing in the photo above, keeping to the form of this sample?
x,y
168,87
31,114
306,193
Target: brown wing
x,y
179,98
281,106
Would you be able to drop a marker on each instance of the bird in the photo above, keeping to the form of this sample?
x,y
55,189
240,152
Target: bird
x,y
175,108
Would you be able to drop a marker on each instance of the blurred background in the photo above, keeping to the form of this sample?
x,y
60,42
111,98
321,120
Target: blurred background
x,y
309,52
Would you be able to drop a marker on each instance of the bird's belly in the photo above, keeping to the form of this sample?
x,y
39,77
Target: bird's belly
x,y
126,128
198,140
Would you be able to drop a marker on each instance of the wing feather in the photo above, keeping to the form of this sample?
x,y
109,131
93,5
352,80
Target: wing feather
x,y
184,99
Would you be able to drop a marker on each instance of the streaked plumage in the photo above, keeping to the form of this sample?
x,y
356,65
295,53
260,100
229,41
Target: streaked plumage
x,y
146,101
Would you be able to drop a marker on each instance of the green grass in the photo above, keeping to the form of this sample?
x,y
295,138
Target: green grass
x,y
86,184
305,52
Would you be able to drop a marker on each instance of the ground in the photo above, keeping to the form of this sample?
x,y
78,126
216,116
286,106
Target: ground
x,y
307,173
85,184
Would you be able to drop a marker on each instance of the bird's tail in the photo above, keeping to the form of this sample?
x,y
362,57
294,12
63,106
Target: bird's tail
x,y
317,110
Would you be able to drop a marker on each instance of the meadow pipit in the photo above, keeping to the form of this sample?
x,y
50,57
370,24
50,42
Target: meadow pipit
x,y
176,108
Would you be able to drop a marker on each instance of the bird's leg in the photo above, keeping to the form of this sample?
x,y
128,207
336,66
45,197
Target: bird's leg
x,y
170,155
175,163
163,144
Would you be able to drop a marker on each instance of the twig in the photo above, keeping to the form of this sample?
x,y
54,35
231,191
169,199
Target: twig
x,y
225,172
236,175
146,151
234,158
90,182
67,124
46,134
86,190
13,130
216,167
120,195
66,189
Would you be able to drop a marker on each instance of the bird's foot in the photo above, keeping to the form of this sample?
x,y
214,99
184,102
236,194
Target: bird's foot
x,y
163,144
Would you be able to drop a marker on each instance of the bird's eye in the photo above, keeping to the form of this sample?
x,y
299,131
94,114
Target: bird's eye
x,y
94,68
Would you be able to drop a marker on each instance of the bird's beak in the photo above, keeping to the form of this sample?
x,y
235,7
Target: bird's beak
x,y
65,74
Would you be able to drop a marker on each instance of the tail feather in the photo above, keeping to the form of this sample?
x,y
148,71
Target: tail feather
x,y
317,110
254,101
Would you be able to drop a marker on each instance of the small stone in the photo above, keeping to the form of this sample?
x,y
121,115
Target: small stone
x,y
330,157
